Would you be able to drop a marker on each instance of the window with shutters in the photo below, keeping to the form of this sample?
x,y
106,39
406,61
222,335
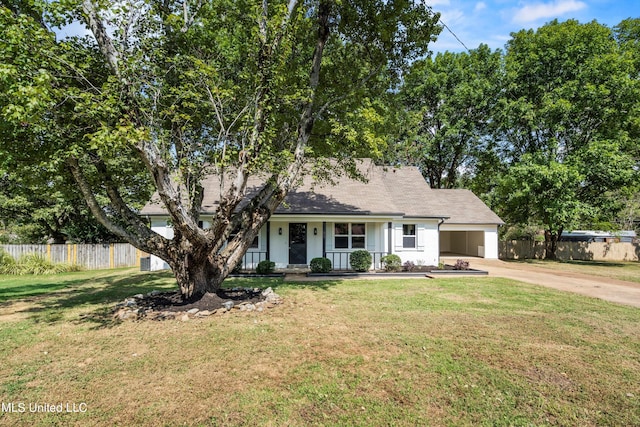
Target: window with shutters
x,y
409,236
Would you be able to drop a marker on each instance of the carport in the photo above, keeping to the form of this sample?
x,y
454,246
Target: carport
x,y
469,227
467,243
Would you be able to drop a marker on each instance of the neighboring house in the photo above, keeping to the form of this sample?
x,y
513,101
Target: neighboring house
x,y
394,211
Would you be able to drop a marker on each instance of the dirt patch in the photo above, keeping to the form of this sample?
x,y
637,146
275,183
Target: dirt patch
x,y
14,311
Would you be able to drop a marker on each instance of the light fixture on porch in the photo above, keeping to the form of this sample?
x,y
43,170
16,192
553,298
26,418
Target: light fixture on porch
x,y
280,231
315,231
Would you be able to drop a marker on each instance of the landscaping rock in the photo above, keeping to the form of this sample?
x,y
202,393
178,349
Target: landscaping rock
x,y
158,305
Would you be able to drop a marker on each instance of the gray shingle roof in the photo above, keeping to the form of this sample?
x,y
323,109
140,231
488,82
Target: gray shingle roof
x,y
463,207
388,191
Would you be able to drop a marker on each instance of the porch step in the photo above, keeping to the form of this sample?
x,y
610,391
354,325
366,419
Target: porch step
x,y
295,269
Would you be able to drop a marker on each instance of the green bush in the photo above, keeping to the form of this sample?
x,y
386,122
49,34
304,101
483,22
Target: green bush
x,y
360,260
32,264
266,267
7,263
392,262
320,265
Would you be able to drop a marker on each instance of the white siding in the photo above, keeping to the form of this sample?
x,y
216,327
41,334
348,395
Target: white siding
x,y
491,243
161,227
279,244
426,251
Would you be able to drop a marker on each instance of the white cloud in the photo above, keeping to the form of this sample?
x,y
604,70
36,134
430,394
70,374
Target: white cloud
x,y
480,6
533,12
455,17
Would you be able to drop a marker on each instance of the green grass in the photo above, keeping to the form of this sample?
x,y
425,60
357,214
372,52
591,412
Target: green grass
x,y
444,352
622,270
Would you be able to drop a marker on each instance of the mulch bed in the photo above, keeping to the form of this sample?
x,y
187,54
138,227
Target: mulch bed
x,y
158,305
173,301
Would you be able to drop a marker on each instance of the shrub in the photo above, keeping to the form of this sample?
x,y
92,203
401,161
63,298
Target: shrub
x,y
392,262
7,263
461,265
266,267
32,264
320,265
409,266
360,260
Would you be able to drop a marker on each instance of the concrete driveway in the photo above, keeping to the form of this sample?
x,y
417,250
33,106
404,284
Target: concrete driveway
x,y
613,290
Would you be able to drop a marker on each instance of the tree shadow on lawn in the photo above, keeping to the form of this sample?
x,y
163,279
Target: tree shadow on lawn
x,y
50,307
35,290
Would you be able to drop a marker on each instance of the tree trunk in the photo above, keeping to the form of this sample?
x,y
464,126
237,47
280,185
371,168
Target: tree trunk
x,y
550,244
197,273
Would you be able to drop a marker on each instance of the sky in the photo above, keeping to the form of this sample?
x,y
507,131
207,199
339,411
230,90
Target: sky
x,y
492,21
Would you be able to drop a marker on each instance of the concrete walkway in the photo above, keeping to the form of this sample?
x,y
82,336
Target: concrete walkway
x,y
613,290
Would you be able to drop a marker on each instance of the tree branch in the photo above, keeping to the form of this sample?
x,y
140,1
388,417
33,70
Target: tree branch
x,y
99,31
182,220
155,243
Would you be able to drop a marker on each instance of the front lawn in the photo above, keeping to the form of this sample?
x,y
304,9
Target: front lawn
x,y
621,270
460,351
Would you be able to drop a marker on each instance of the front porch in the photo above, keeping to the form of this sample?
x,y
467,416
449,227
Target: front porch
x,y
292,242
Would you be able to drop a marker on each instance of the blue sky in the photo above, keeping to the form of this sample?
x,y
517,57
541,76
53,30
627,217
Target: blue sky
x,y
492,21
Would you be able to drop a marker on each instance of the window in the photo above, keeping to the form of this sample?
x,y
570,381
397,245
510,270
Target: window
x,y
253,245
408,235
349,236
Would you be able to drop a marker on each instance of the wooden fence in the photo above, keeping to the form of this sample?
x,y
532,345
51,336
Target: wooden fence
x,y
587,251
91,257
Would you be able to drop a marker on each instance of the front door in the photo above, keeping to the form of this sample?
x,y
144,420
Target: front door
x,y
298,243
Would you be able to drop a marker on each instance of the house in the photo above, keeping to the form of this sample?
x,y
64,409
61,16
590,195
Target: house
x,y
393,211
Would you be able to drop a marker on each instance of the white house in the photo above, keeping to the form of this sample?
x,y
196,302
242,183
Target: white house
x,y
393,211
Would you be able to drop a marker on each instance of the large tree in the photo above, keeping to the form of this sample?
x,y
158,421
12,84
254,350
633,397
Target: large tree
x,y
449,101
190,88
568,128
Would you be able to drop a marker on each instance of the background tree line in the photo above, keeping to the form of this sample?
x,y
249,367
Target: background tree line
x,y
546,132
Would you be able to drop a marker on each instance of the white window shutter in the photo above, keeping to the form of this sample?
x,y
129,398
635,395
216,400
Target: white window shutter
x,y
420,236
397,237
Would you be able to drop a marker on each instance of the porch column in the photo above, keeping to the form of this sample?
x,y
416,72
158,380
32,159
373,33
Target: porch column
x,y
324,239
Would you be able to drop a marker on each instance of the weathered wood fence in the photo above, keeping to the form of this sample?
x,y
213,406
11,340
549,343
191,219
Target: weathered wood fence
x,y
91,257
587,251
